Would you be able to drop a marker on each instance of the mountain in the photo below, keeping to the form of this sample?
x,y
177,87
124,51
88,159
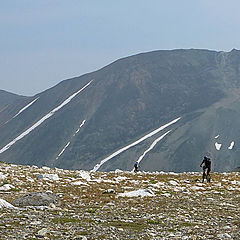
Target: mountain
x,y
166,109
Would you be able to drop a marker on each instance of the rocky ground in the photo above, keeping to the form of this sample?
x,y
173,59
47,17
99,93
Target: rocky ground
x,y
116,205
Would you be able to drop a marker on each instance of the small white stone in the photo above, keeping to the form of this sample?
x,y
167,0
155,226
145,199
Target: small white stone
x,y
226,227
2,176
224,236
36,223
43,232
6,187
174,183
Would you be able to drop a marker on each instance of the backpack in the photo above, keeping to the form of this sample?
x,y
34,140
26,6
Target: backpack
x,y
208,162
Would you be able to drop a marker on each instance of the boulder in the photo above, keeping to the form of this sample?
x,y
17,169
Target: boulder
x,y
5,204
109,191
84,175
37,199
6,187
47,176
2,176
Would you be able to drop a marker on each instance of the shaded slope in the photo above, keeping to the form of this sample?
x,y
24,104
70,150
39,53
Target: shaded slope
x,y
9,103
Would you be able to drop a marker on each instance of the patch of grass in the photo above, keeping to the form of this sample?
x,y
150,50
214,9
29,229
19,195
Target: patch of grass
x,y
101,237
91,210
127,225
63,220
3,183
15,189
153,181
84,233
187,224
156,222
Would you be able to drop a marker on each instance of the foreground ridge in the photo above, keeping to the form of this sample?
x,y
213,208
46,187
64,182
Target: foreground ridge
x,y
116,205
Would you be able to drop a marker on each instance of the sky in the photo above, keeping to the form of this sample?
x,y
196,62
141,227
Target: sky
x,y
46,41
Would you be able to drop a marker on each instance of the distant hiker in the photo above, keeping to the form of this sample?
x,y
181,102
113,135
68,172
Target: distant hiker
x,y
136,167
206,165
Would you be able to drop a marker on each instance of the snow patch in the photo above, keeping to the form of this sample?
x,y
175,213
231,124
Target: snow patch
x,y
77,183
231,145
133,144
218,146
39,122
53,177
197,188
137,193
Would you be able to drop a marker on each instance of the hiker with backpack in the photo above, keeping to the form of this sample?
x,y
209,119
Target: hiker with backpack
x,y
136,167
206,165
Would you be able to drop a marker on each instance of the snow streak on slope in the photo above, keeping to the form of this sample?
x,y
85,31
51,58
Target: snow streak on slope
x,y
133,144
63,150
80,126
42,119
152,146
70,142
22,110
26,107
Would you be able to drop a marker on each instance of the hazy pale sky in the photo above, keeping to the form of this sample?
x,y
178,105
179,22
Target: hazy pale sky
x,y
43,42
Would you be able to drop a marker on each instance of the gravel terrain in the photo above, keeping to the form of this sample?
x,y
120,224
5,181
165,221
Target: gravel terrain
x,y
67,204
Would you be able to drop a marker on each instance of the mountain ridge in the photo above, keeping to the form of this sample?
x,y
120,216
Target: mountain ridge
x,y
126,100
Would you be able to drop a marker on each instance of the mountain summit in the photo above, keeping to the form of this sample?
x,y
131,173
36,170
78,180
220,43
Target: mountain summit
x,y
165,109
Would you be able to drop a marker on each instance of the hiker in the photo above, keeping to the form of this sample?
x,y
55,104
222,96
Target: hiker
x,y
136,167
206,165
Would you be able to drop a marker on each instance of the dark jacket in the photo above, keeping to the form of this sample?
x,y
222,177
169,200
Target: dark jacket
x,y
206,163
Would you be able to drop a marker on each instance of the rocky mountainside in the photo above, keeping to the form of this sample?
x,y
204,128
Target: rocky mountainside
x,y
164,108
44,203
8,99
